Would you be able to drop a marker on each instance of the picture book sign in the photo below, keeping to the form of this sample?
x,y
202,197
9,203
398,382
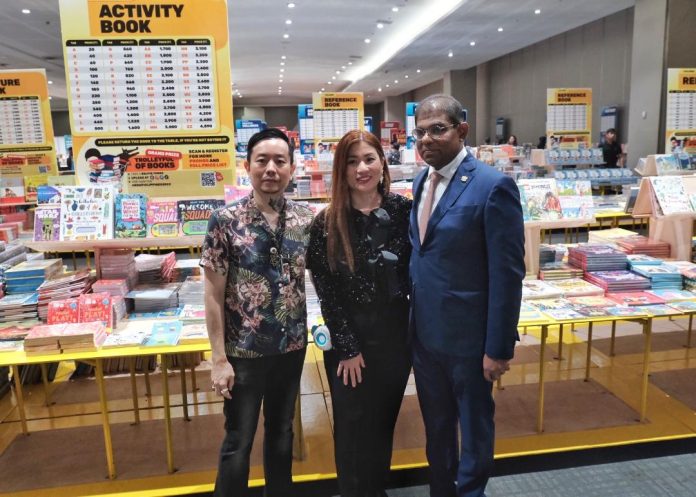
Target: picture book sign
x,y
681,111
148,89
26,130
568,117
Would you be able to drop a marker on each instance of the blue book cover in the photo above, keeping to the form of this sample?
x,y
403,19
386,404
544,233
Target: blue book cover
x,y
40,267
131,215
164,333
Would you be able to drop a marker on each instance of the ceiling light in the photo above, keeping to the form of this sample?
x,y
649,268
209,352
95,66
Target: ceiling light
x,y
396,81
500,29
333,77
26,11
240,96
328,82
282,69
280,81
282,63
418,71
402,36
322,89
380,25
283,57
291,5
379,89
280,87
450,54
367,40
50,82
406,76
50,98
288,21
338,72
350,63
387,86
286,36
472,43
343,67
537,11
395,9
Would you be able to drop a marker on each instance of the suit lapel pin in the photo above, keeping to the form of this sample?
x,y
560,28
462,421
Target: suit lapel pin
x,y
465,179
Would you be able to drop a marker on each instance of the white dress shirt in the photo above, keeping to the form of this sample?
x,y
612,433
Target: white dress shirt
x,y
447,173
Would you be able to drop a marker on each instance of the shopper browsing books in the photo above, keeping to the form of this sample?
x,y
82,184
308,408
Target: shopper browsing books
x,y
467,267
253,258
358,256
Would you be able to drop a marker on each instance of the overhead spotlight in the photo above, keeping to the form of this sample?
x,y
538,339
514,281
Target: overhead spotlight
x,y
406,76
288,21
395,9
26,11
322,89
472,43
282,69
50,82
367,40
333,77
343,67
387,86
338,72
418,71
537,11
50,98
286,36
283,57
450,54
328,82
500,29
350,63
282,63
380,25
379,89
280,87
396,81
291,5
280,81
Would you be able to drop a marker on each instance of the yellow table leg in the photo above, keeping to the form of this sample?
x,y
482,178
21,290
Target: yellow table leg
x,y
559,355
105,420
194,387
647,329
613,339
542,350
499,383
688,333
20,399
148,388
184,394
298,446
44,379
134,390
87,259
588,359
167,415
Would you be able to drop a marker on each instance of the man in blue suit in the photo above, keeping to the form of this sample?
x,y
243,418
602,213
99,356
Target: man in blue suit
x,y
467,267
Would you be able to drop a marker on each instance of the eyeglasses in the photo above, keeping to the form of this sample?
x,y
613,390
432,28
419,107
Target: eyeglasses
x,y
435,131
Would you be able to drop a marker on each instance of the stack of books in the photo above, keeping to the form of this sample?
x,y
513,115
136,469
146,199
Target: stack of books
x,y
559,271
608,236
670,296
27,276
115,288
164,333
576,287
192,291
65,286
664,276
537,289
618,281
155,268
192,312
19,307
185,268
597,258
116,264
96,307
132,335
152,298
639,244
635,298
10,256
642,260
193,333
57,338
688,271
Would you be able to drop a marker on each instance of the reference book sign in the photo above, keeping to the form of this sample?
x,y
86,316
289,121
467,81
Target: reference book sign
x,y
149,94
568,117
681,111
334,114
26,131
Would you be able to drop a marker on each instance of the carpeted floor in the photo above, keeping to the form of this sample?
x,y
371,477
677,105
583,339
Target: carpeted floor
x,y
680,384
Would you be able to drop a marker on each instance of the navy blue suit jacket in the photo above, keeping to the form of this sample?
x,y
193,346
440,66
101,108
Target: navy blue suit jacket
x,y
466,277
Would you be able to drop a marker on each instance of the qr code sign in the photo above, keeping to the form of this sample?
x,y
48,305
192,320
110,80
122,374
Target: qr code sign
x,y
208,179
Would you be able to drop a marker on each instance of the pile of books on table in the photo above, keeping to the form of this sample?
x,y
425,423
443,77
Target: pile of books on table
x,y
57,338
639,244
152,298
155,268
192,291
116,264
19,307
662,276
65,286
185,268
597,258
618,281
27,276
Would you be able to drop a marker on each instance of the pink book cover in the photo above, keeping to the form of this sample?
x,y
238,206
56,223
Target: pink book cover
x,y
63,311
96,307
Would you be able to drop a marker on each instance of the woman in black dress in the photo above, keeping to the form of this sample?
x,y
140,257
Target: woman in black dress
x,y
358,255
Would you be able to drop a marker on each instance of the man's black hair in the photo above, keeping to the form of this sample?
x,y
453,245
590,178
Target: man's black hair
x,y
268,134
610,130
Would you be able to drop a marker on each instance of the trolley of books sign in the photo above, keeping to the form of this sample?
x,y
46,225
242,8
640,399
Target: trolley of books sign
x,y
669,202
548,203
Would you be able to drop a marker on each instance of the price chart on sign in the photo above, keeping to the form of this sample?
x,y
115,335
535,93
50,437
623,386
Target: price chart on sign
x,y
145,85
21,121
335,123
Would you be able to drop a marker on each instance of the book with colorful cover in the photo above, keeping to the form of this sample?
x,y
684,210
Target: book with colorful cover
x,y
63,311
576,287
530,314
684,306
591,301
194,215
634,298
192,312
86,213
194,333
96,307
131,215
38,267
48,195
576,199
47,223
162,219
643,260
563,314
626,311
537,289
592,311
670,194
11,190
164,333
658,310
670,296
550,304
31,185
542,199
525,206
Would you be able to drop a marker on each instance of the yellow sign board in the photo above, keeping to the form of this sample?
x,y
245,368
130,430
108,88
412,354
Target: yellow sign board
x,y
27,144
568,117
680,129
149,90
334,115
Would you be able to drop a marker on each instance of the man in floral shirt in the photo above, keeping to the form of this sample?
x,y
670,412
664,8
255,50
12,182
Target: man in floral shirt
x,y
254,263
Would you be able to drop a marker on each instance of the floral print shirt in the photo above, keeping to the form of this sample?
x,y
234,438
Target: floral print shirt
x,y
265,308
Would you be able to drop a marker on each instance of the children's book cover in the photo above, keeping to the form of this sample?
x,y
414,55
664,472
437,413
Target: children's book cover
x,y
542,199
576,199
194,215
131,215
47,223
86,213
162,219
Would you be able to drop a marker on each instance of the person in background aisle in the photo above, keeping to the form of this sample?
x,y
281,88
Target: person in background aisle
x,y
254,263
358,257
512,140
467,266
611,149
394,156
542,142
